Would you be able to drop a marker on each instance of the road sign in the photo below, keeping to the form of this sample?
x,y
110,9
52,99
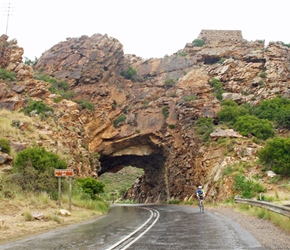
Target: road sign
x,y
63,172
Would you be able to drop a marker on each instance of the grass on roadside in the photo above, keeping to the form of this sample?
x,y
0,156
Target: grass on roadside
x,y
275,218
17,200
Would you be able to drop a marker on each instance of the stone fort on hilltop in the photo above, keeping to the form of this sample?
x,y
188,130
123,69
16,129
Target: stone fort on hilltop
x,y
220,35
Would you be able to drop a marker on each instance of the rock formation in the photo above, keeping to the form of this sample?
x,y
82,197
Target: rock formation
x,y
143,121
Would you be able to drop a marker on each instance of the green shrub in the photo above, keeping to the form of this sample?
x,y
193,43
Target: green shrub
x,y
129,73
198,42
46,78
6,74
213,81
276,110
28,61
227,171
219,91
266,198
248,188
183,53
262,74
86,105
189,98
165,111
91,186
9,194
260,128
275,179
173,201
221,61
230,112
39,107
170,82
204,127
171,126
217,85
34,169
275,155
61,88
57,87
57,99
5,146
286,44
119,119
67,94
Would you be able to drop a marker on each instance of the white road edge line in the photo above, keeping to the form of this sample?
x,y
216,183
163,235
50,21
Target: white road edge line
x,y
137,238
119,242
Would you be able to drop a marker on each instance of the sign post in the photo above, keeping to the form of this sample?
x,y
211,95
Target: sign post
x,y
59,193
64,173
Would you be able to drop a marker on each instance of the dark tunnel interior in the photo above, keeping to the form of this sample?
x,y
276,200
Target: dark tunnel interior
x,y
116,163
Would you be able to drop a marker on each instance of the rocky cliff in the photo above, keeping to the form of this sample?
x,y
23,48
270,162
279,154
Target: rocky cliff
x,y
143,121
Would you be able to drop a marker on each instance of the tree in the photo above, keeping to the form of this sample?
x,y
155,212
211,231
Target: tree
x,y
34,169
91,186
275,155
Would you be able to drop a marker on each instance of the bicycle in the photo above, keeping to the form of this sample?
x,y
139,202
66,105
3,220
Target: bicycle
x,y
201,205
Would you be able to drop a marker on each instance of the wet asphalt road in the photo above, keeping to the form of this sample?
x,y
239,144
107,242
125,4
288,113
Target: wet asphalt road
x,y
161,227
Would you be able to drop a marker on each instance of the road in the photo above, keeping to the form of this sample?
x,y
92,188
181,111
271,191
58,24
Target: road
x,y
138,227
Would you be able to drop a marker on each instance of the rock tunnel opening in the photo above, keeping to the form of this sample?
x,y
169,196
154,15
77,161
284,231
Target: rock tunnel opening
x,y
151,185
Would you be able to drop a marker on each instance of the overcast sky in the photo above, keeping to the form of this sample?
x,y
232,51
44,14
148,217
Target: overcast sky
x,y
146,28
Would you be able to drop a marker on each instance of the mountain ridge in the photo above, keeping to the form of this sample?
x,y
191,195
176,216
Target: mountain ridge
x,y
142,121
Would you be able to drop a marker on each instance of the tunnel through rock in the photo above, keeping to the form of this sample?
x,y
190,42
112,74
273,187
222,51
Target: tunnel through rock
x,y
151,186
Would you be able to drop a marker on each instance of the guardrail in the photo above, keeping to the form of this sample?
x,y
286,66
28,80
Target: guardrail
x,y
263,204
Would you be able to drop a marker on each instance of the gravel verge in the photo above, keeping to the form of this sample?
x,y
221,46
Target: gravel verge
x,y
269,236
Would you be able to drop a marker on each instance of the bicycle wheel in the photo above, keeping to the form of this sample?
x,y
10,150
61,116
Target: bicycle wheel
x,y
202,207
200,204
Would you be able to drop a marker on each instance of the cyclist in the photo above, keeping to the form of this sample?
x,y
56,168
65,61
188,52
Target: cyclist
x,y
200,195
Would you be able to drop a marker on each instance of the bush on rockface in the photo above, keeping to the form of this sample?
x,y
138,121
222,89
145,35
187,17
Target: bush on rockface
x,y
5,146
260,128
275,155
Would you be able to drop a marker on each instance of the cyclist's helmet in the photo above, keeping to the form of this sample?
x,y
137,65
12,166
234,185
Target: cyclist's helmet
x,y
199,186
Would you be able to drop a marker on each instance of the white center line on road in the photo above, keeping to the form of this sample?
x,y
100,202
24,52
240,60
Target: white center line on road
x,y
137,238
138,229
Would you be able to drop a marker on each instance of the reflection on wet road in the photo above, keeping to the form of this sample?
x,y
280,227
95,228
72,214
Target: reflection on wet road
x,y
151,227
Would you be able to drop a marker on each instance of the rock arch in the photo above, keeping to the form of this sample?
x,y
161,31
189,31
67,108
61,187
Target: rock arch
x,y
141,153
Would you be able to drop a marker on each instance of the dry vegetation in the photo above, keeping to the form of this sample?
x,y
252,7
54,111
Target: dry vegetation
x,y
18,221
12,132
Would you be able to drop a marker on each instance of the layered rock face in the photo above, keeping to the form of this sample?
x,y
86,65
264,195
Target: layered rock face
x,y
149,124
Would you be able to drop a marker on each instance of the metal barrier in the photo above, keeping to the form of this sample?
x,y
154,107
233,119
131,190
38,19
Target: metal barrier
x,y
267,205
